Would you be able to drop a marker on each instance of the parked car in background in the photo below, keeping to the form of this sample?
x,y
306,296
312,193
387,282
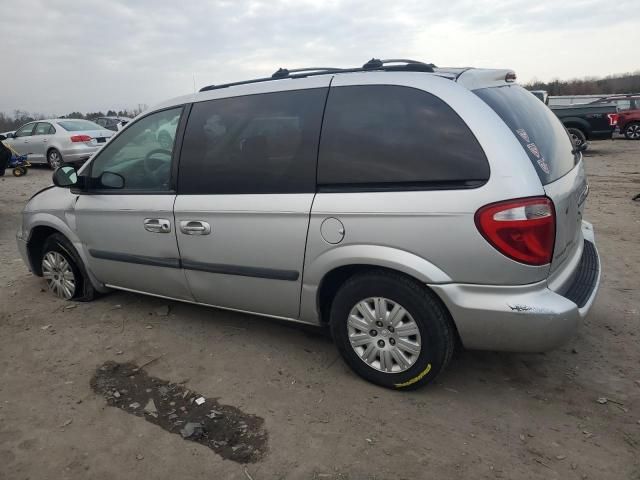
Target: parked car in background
x,y
542,95
587,122
58,141
112,123
629,123
622,102
406,207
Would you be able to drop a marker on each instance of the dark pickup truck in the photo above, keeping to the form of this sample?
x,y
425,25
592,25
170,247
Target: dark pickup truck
x,y
587,122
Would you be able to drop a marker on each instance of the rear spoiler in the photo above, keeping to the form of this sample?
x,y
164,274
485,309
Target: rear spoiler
x,y
474,78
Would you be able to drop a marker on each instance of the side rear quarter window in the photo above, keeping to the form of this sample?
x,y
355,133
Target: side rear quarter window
x,y
382,136
265,143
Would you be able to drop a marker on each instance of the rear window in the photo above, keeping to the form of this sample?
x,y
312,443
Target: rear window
x,y
385,136
78,125
539,131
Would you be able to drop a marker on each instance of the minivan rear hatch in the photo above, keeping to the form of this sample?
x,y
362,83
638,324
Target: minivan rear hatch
x,y
547,144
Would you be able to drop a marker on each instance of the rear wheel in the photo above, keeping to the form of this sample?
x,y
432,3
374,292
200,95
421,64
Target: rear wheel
x,y
391,330
19,171
577,137
54,159
63,270
632,131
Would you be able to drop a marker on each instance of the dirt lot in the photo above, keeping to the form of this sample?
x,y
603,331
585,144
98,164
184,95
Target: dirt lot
x,y
490,416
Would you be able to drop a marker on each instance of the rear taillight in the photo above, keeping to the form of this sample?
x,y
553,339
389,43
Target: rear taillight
x,y
523,229
80,138
613,119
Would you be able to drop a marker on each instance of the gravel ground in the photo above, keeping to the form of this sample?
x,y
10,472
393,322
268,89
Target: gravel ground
x,y
489,416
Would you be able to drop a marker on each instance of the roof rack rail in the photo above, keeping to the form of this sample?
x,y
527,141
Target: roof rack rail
x,y
373,64
405,64
285,72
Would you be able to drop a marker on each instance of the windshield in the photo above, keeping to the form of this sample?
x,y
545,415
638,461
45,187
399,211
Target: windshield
x,y
78,125
539,131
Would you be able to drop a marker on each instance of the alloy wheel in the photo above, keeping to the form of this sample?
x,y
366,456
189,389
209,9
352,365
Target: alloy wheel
x,y
59,275
54,159
384,335
633,131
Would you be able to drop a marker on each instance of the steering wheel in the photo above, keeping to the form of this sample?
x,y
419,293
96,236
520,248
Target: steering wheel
x,y
156,168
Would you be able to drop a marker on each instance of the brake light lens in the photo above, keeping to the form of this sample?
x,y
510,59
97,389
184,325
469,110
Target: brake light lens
x,y
510,77
80,138
613,119
523,229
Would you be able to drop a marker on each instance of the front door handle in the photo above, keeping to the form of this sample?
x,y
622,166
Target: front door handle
x,y
157,225
195,227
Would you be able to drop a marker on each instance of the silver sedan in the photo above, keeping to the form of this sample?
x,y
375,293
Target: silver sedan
x,y
58,141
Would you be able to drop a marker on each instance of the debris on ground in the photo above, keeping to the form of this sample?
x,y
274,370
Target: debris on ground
x,y
66,423
163,311
139,456
602,400
150,408
225,429
192,430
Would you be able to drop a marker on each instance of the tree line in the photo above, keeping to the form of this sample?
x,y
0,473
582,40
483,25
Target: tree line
x,y
621,83
19,117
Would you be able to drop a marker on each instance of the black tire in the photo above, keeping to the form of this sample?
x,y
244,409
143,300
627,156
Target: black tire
x,y
432,318
18,172
84,291
54,159
578,138
632,131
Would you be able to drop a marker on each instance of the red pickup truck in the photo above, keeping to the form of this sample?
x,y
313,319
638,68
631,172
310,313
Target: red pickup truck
x,y
629,123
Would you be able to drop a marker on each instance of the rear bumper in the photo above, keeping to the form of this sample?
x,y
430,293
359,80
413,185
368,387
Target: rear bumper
x,y
527,318
79,153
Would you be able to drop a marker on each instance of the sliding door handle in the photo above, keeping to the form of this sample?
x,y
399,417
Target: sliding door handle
x,y
195,227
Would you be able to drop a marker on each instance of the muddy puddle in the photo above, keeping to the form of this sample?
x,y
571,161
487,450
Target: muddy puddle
x,y
226,430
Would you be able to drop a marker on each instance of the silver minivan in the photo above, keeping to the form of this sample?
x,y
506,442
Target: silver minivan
x,y
409,208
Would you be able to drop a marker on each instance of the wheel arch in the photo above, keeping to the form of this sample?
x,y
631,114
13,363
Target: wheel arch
x,y
324,276
41,227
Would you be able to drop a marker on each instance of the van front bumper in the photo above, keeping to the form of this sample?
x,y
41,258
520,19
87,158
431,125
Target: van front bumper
x,y
525,318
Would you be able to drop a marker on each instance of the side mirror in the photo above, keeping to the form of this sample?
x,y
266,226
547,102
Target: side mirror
x,y
11,135
65,177
111,180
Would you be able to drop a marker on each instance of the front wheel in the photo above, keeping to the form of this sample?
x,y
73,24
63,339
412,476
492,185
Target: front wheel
x,y
632,131
19,171
63,270
391,330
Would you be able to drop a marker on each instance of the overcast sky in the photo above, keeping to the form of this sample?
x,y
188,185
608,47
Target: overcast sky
x,y
87,55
